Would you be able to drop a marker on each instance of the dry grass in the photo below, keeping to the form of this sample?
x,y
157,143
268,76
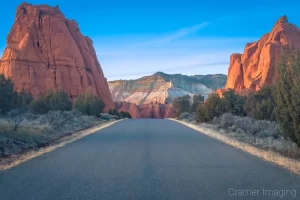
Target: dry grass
x,y
19,133
6,126
294,153
12,161
291,164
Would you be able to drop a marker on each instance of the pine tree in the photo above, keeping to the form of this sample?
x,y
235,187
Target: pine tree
x,y
59,101
197,100
235,102
89,104
51,101
182,104
287,96
22,99
6,94
214,106
261,104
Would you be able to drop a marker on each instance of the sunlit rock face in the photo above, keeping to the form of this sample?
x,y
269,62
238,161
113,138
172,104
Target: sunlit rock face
x,y
47,51
164,88
256,67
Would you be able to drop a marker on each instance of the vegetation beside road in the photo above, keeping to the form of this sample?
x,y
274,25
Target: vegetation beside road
x,y
244,142
27,123
270,115
183,104
27,131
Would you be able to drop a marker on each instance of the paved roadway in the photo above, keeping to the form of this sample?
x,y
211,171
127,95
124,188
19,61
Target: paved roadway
x,y
147,159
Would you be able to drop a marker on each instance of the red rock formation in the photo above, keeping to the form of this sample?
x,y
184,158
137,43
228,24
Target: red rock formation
x,y
256,67
47,51
169,111
153,110
128,107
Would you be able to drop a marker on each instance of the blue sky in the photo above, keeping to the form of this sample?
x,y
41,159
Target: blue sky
x,y
137,38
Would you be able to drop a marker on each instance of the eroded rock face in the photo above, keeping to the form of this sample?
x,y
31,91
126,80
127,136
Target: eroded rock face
x,y
47,51
256,67
151,110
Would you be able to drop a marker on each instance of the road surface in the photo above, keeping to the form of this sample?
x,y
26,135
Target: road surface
x,y
147,159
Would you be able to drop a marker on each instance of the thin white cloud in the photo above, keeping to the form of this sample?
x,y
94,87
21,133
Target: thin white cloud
x,y
175,52
175,48
183,32
162,39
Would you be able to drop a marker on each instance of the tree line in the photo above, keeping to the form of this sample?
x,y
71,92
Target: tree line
x,y
86,104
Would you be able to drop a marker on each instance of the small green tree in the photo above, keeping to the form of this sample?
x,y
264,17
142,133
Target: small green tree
x,y
214,106
197,100
39,106
80,104
122,114
125,115
59,101
95,104
182,104
235,102
22,99
89,104
51,101
261,104
114,112
6,94
202,114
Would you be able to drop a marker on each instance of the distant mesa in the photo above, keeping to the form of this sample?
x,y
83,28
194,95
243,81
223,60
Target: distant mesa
x,y
164,88
256,67
152,96
47,51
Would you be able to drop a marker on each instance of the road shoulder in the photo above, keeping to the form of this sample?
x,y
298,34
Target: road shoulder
x,y
270,156
12,161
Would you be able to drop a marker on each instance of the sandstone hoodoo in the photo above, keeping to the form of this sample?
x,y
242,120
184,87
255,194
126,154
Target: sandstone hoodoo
x,y
256,67
47,51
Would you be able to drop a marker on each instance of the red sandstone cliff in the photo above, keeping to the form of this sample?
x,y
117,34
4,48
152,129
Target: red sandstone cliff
x,y
256,67
151,110
47,51
132,108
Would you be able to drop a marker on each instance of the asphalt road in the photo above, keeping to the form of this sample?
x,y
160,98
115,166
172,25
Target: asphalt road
x,y
147,159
